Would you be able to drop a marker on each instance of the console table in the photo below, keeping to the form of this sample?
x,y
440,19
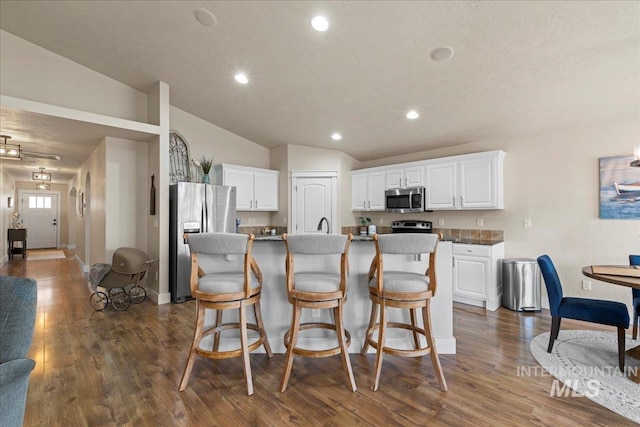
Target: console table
x,y
17,235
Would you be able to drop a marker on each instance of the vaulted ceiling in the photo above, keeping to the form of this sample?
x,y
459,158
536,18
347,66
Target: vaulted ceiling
x,y
517,68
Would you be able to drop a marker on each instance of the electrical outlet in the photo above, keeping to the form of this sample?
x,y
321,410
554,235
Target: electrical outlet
x,y
527,223
440,222
381,221
480,222
586,285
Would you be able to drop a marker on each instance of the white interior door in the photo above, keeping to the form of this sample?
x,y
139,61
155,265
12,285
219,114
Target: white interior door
x,y
40,218
313,197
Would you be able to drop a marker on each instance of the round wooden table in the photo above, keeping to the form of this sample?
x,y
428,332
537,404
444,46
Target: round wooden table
x,y
631,282
628,281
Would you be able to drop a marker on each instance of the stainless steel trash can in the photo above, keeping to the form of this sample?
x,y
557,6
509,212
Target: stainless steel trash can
x,y
521,284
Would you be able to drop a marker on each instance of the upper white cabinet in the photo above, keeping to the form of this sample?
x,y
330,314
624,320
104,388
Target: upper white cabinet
x,y
256,188
442,185
473,181
405,177
367,191
469,181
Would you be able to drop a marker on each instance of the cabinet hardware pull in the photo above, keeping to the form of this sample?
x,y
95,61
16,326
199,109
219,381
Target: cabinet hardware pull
x,y
454,201
250,204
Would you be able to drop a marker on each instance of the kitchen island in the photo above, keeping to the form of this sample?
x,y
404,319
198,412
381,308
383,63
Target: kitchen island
x,y
270,253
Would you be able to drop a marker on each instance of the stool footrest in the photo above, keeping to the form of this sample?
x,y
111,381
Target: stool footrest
x,y
418,352
230,353
316,353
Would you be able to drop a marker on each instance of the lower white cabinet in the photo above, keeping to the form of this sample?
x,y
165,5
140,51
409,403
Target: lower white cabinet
x,y
476,278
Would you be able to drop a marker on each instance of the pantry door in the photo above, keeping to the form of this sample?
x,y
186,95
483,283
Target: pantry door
x,y
313,197
40,213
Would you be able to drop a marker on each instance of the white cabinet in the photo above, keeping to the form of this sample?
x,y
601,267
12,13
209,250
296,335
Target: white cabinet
x,y
405,177
476,278
367,191
442,185
473,181
256,189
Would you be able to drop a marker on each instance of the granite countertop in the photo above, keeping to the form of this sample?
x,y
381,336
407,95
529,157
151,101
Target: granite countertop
x,y
473,241
358,238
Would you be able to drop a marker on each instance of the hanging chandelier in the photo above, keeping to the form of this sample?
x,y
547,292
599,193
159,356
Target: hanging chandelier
x,y
10,151
41,176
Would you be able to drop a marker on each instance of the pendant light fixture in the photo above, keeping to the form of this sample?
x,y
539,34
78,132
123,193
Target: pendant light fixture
x,y
43,186
41,176
10,151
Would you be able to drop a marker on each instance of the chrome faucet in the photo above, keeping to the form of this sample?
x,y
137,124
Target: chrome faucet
x,y
320,224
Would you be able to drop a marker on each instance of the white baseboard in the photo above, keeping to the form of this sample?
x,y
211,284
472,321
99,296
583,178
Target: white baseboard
x,y
83,268
159,299
71,246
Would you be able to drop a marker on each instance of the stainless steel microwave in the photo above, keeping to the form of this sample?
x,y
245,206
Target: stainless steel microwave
x,y
404,200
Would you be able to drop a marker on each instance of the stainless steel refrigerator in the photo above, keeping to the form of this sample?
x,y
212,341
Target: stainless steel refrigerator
x,y
195,208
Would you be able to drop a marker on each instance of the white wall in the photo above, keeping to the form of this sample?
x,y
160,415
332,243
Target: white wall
x,y
127,195
552,178
6,190
28,71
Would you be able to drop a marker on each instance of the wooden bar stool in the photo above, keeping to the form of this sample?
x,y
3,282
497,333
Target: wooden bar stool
x,y
402,289
316,290
218,283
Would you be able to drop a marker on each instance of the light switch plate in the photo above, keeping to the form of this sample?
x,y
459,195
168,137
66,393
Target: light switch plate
x,y
527,223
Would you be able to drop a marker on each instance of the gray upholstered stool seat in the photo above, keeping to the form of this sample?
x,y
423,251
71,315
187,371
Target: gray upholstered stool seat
x,y
317,282
225,282
216,285
402,289
402,281
317,290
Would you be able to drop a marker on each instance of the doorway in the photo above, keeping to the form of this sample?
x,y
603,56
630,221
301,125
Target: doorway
x,y
40,212
314,197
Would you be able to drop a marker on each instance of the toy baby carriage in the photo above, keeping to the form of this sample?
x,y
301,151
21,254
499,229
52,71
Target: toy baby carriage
x,y
120,282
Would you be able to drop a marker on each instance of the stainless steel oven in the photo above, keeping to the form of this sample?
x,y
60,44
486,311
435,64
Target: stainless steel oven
x,y
404,200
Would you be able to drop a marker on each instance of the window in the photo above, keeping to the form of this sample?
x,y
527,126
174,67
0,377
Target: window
x,y
39,202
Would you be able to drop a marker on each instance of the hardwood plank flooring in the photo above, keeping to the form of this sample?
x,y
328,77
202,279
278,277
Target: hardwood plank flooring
x,y
123,368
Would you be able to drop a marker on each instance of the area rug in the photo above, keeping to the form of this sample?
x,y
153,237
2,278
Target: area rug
x,y
587,363
40,255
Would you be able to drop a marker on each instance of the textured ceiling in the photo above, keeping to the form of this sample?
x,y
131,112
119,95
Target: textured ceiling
x,y
518,68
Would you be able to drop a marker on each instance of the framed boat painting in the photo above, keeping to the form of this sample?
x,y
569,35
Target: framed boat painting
x,y
619,188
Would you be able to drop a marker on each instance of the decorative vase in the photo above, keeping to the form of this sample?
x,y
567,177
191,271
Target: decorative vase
x,y
206,179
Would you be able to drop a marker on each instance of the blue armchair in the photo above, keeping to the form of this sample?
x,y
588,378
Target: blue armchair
x,y
17,321
635,260
589,310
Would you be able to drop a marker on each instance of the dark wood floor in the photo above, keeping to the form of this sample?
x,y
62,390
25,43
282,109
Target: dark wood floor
x,y
123,368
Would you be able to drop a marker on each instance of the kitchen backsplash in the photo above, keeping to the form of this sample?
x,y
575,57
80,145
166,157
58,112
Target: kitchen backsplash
x,y
447,233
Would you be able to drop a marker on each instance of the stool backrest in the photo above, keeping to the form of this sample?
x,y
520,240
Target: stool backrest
x,y
319,245
209,253
218,243
405,244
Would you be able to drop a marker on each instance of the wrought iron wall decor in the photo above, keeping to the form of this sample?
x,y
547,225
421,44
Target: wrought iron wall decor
x,y
179,159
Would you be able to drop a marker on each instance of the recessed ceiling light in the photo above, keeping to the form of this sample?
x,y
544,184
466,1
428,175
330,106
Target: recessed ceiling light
x,y
205,17
320,23
412,115
441,54
241,78
336,136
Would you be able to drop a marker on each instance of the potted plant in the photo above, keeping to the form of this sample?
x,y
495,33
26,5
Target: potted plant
x,y
364,222
205,164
